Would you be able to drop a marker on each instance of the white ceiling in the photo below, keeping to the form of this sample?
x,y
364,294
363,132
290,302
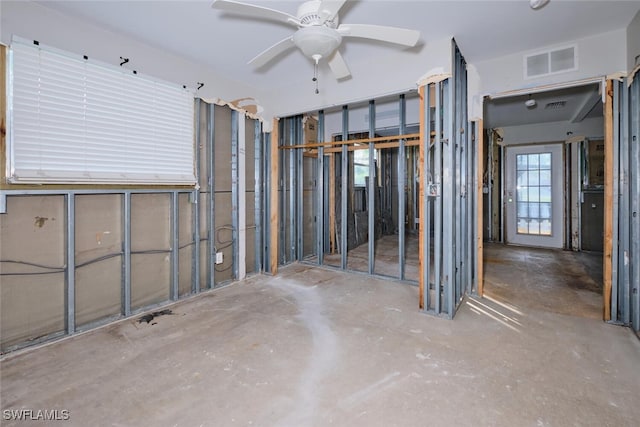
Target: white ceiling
x,y
226,42
563,105
223,43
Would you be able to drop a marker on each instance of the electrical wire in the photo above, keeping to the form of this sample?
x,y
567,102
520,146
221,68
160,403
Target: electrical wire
x,y
53,270
223,244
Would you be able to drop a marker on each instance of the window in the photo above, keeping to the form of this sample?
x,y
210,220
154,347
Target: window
x,y
361,166
533,195
78,121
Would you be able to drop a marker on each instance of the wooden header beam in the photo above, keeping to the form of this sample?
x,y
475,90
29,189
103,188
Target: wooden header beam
x,y
352,141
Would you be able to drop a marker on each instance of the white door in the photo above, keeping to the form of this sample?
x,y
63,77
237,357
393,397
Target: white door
x,y
534,195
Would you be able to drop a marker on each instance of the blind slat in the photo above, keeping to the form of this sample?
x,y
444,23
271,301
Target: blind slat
x,y
78,122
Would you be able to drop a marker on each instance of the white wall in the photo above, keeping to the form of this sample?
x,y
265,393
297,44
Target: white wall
x,y
434,58
33,21
633,42
598,55
592,128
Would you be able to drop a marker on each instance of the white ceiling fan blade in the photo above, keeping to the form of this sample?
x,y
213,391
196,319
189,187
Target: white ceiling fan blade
x,y
338,67
395,35
256,11
329,9
271,52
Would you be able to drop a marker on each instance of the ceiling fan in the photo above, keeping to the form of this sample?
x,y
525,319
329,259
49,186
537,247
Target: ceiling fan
x,y
319,32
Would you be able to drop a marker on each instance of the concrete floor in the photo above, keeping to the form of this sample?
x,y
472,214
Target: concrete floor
x,y
318,347
386,256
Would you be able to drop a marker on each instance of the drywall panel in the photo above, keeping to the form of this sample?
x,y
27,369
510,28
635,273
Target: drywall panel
x,y
633,43
32,305
150,247
223,237
598,55
552,132
185,243
98,256
35,21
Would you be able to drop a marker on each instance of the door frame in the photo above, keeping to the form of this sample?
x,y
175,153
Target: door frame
x,y
555,241
607,97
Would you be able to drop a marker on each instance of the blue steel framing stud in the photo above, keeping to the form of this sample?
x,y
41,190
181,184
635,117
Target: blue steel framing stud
x,y
195,264
320,189
402,195
126,262
371,204
344,189
634,212
234,191
70,271
175,242
211,219
258,194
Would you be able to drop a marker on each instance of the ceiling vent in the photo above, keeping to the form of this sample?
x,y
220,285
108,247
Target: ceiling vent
x,y
555,105
551,62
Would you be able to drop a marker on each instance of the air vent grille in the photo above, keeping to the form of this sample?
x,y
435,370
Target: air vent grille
x,y
555,105
551,62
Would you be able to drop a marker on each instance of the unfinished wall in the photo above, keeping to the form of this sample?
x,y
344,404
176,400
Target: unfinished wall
x,y
223,235
250,195
186,244
309,204
98,256
162,245
32,252
150,261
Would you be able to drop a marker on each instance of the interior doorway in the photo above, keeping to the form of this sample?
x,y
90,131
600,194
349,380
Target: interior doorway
x,y
543,218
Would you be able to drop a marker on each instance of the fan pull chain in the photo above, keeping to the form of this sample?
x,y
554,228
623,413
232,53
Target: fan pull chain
x,y
315,76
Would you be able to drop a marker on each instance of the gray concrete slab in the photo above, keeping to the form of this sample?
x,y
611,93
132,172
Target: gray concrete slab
x,y
318,347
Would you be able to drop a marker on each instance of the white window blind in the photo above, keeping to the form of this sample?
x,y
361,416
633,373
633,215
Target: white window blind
x,y
75,121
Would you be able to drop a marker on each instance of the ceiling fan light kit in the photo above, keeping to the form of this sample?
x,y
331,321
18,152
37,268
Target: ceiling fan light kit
x,y
317,41
319,33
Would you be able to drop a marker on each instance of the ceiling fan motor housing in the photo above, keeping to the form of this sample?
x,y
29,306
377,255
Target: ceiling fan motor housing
x,y
309,14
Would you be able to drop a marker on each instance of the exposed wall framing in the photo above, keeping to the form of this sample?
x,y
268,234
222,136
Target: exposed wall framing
x,y
622,204
78,257
427,181
450,208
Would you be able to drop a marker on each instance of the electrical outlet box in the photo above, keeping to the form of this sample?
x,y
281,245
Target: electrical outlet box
x,y
219,258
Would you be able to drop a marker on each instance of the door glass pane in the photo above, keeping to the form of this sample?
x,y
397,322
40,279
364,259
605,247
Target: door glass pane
x,y
545,177
533,194
522,179
545,161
